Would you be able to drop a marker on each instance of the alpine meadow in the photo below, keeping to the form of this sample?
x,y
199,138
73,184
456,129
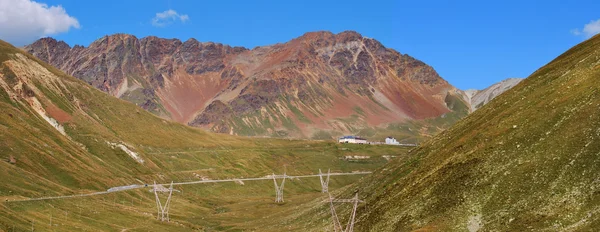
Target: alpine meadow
x,y
299,116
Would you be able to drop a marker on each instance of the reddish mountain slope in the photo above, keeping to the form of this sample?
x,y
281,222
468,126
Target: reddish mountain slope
x,y
318,85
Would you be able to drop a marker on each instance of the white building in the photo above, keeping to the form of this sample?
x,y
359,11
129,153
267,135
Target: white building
x,y
391,141
352,139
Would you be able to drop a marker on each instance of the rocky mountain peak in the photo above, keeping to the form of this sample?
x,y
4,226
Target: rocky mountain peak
x,y
295,88
347,36
110,40
48,49
317,38
49,41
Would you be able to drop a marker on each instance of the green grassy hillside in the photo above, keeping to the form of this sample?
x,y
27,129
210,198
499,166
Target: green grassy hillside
x,y
60,136
529,160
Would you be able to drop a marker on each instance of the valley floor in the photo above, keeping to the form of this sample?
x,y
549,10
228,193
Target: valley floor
x,y
202,203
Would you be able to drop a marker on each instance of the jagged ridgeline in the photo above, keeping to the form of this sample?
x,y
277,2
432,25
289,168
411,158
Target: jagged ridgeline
x,y
529,160
320,85
60,136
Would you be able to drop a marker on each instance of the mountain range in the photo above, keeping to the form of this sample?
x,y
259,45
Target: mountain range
x,y
319,85
526,160
61,137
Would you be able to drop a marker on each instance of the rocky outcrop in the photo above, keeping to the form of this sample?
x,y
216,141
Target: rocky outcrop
x,y
478,98
315,82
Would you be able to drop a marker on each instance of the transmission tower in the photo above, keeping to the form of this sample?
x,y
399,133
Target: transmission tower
x,y
337,226
324,183
163,210
279,188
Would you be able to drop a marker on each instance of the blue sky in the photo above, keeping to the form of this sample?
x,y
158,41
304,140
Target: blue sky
x,y
472,44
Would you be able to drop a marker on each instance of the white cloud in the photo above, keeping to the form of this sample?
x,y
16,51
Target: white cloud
x,y
167,17
589,29
23,21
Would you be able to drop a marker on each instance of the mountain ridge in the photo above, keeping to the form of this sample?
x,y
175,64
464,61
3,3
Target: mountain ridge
x,y
477,98
318,83
61,138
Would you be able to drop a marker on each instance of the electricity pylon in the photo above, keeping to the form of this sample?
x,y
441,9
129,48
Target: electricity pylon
x,y
163,210
324,183
279,188
337,226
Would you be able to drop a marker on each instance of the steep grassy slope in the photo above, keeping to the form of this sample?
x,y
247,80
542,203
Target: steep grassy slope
x,y
60,136
529,160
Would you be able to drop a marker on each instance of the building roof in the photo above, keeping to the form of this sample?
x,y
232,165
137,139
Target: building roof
x,y
352,137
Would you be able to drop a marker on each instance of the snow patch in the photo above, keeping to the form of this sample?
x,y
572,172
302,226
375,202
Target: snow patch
x,y
129,152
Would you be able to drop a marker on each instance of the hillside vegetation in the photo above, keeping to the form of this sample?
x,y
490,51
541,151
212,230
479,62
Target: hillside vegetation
x,y
61,136
528,160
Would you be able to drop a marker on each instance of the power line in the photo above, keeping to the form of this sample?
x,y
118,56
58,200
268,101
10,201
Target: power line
x,y
324,183
337,226
132,187
279,188
163,210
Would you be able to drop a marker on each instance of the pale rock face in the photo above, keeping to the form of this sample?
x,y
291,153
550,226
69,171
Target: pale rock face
x,y
26,71
128,151
469,94
478,98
